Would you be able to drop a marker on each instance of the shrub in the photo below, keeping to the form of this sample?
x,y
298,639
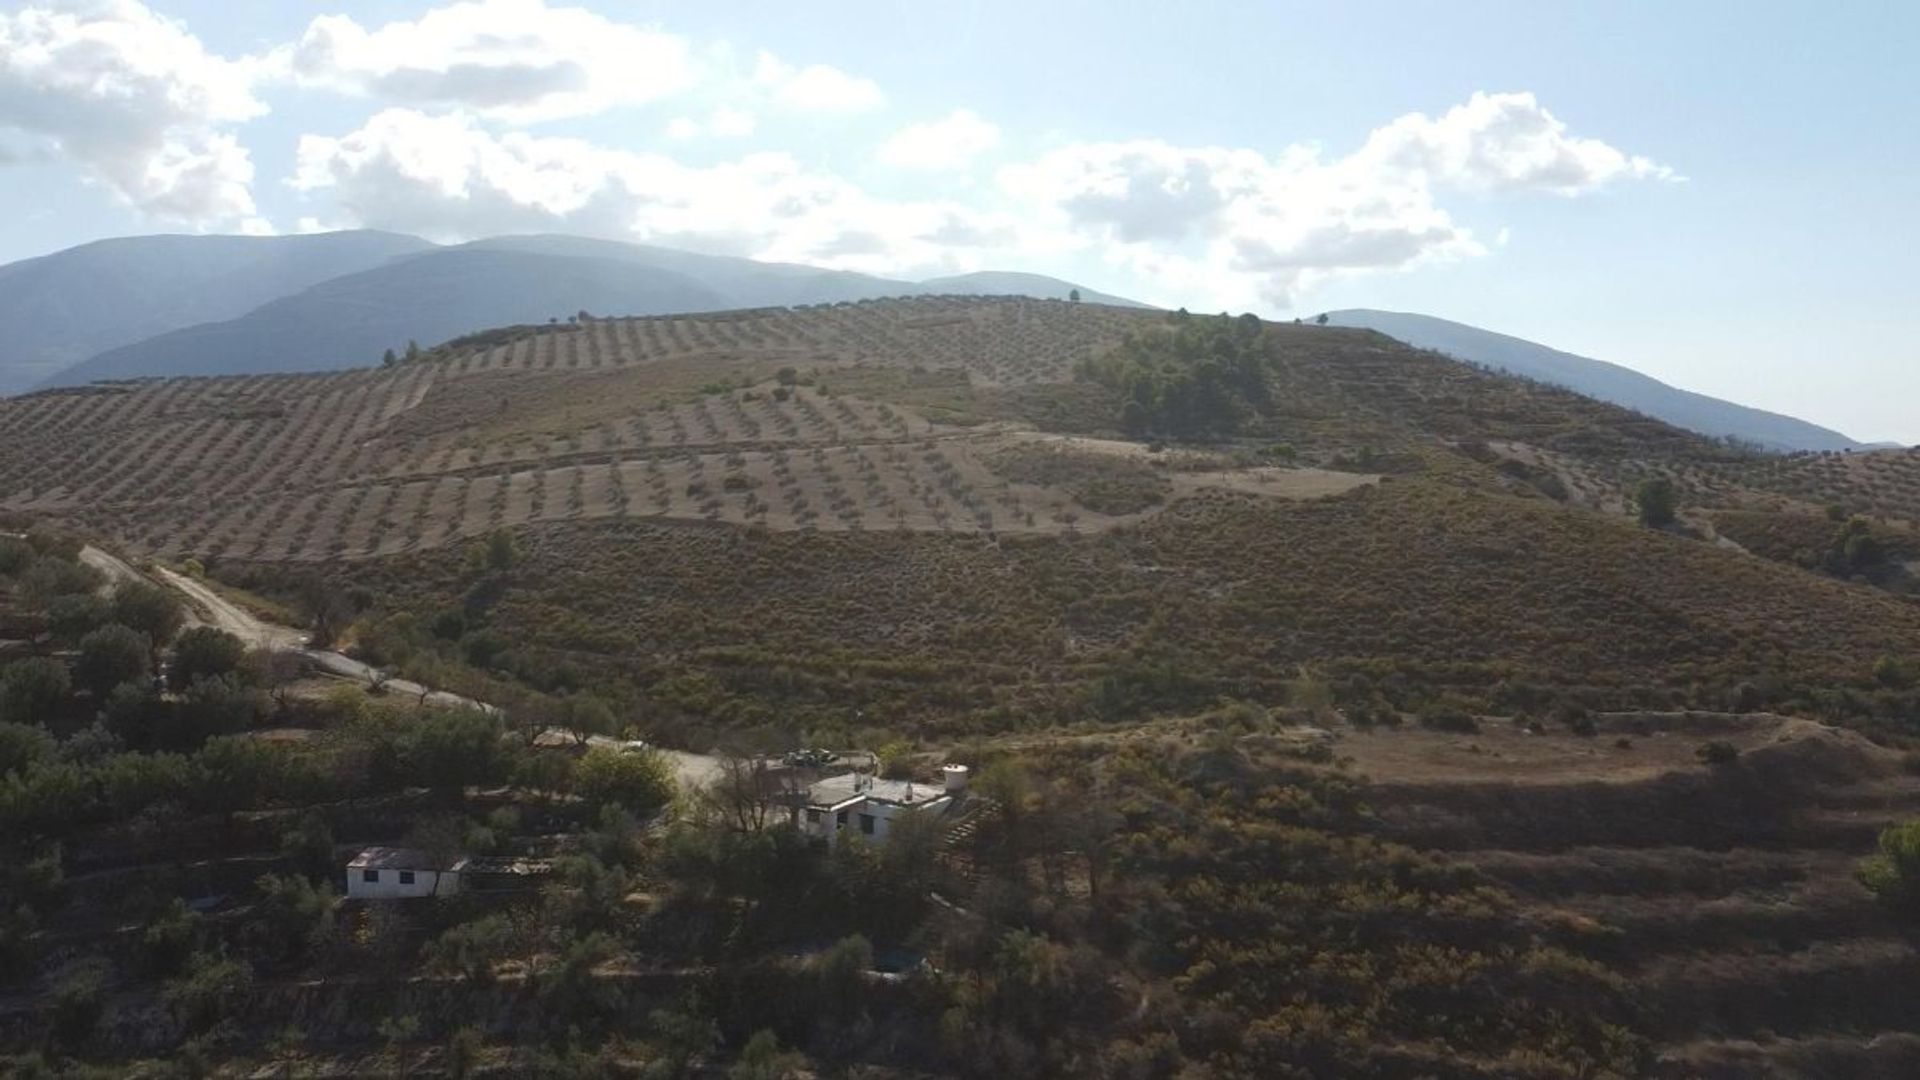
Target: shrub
x,y
1891,672
292,916
213,988
471,950
1718,752
78,1000
168,938
150,609
1893,873
1449,718
215,706
638,780
33,690
457,749
112,655
1656,500
204,652
762,1058
22,745
71,618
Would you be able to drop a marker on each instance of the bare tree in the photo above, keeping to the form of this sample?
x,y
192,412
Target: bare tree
x,y
740,794
275,670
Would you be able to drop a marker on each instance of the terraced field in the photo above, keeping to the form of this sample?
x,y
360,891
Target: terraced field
x,y
729,418
1724,894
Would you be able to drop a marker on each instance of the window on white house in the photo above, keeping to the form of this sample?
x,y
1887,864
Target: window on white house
x,y
813,817
406,877
866,824
840,820
369,875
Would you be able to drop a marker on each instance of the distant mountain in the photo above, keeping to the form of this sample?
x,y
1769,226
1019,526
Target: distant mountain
x,y
350,321
744,282
229,305
59,309
1598,379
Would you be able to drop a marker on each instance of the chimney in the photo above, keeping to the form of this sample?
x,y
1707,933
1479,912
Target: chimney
x,y
956,778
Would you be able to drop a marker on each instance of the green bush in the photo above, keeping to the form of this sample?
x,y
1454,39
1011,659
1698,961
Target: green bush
x,y
640,781
1718,752
22,745
213,988
1893,872
112,655
167,941
1656,501
149,609
471,950
204,652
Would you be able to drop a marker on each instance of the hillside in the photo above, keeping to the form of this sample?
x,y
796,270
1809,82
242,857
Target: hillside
x,y
1333,713
1482,512
59,309
1597,378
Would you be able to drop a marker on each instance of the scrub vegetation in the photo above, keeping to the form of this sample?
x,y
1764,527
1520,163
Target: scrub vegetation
x,y
1334,708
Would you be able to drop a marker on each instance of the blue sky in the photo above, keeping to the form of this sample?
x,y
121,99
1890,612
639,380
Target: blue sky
x,y
1720,195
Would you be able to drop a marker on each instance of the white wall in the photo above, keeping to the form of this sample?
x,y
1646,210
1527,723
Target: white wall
x,y
883,817
425,883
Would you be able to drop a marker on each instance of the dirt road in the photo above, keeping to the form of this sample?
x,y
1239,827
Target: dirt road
x,y
205,607
217,611
690,770
116,570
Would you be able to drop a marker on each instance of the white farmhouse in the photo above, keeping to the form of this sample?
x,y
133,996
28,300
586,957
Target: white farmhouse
x,y
859,805
384,873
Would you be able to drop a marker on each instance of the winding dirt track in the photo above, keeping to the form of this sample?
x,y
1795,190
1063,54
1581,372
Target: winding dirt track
x,y
226,615
205,607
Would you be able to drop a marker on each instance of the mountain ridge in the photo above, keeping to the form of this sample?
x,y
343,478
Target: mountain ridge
x,y
59,309
318,321
1600,379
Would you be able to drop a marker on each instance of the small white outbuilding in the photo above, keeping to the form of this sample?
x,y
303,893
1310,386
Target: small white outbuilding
x,y
385,873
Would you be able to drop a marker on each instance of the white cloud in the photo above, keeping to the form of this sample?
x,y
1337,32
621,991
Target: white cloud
x,y
943,144
1257,229
1502,142
520,61
816,87
731,123
134,100
721,123
1202,226
450,177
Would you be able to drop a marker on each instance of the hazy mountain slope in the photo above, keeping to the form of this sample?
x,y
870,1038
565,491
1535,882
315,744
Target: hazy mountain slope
x,y
59,309
255,314
351,320
1010,283
744,282
1597,378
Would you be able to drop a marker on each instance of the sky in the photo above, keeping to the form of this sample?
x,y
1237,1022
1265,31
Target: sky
x,y
1721,195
